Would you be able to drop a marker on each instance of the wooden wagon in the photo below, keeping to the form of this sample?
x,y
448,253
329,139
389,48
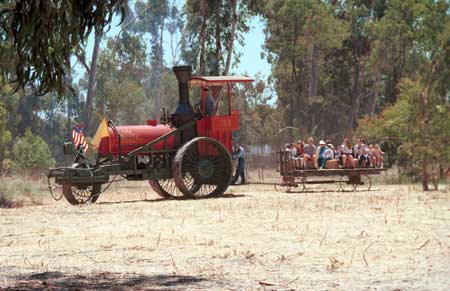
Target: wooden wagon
x,y
294,179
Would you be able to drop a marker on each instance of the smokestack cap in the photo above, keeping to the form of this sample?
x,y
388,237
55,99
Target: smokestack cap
x,y
183,73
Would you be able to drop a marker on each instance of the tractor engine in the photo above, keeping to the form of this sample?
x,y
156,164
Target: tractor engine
x,y
124,139
133,137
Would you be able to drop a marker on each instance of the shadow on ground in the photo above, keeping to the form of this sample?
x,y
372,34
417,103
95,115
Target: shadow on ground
x,y
102,281
182,198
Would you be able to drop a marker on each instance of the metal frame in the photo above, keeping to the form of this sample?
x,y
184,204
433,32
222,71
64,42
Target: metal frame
x,y
100,172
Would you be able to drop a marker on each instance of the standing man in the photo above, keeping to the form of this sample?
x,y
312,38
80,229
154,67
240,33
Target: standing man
x,y
239,154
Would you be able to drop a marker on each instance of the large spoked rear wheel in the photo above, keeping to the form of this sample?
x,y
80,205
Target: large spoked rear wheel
x,y
166,188
81,194
202,168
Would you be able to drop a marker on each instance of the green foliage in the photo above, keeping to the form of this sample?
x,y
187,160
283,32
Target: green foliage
x,y
120,93
43,35
410,137
31,154
219,16
259,119
19,191
6,167
7,103
5,134
300,34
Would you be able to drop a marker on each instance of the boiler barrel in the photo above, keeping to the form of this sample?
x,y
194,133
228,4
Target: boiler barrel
x,y
133,137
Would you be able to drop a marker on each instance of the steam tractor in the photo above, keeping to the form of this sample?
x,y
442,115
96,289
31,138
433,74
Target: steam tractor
x,y
186,153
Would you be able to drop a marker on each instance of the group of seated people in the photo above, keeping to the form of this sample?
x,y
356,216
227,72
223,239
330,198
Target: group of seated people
x,y
325,155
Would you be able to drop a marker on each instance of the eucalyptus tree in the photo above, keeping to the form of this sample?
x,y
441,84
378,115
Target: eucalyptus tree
x,y
212,33
40,36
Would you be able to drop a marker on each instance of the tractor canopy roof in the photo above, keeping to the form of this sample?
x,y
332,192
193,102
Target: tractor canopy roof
x,y
217,81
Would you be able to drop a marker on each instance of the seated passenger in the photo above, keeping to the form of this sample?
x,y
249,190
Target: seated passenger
x,y
371,156
331,153
309,153
331,148
346,154
299,153
289,149
364,161
379,159
360,152
209,105
323,154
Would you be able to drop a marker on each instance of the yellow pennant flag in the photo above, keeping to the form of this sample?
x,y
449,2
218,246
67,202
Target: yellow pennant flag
x,y
102,131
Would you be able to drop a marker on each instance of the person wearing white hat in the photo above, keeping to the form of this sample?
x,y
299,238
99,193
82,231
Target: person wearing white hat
x,y
322,155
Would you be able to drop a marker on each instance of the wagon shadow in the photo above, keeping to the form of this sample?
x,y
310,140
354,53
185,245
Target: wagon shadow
x,y
328,191
225,196
103,281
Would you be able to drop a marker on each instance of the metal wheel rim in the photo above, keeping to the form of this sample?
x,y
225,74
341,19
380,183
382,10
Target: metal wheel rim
x,y
344,185
166,188
302,185
366,184
196,182
80,195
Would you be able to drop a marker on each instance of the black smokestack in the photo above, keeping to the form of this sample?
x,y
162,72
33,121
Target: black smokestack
x,y
183,74
184,113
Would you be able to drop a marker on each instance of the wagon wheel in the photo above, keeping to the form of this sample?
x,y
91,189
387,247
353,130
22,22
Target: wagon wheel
x,y
282,187
345,184
165,188
298,187
202,168
302,184
365,183
80,194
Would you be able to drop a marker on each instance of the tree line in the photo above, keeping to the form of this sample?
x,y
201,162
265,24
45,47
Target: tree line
x,y
378,69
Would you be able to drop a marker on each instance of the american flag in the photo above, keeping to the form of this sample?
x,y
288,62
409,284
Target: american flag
x,y
78,139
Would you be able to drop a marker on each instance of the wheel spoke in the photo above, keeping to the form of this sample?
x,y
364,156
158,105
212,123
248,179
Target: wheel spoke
x,y
205,168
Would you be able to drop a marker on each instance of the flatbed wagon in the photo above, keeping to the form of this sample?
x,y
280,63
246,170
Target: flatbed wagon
x,y
295,180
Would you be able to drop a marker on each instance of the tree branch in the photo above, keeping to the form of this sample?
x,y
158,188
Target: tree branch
x,y
82,59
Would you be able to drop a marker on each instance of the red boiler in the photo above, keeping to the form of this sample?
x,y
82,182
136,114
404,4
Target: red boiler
x,y
133,137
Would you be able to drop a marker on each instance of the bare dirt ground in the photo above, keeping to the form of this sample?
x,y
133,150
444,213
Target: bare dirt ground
x,y
392,238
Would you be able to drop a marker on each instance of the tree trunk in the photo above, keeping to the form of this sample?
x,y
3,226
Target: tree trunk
x,y
425,134
380,56
356,98
202,69
91,85
313,82
376,93
218,40
158,75
232,33
425,176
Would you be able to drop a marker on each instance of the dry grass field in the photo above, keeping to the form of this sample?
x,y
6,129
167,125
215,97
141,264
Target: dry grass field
x,y
391,238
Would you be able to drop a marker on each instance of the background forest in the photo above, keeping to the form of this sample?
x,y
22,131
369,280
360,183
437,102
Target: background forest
x,y
378,69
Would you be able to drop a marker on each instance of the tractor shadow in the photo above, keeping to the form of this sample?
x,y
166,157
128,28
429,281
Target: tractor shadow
x,y
225,196
102,281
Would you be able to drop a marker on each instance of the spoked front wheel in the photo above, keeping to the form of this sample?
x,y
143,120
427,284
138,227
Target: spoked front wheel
x,y
202,168
81,194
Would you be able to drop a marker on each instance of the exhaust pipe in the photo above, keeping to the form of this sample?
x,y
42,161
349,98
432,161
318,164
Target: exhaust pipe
x,y
183,74
183,113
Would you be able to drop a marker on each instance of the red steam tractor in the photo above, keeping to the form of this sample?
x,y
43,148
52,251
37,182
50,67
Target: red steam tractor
x,y
186,153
